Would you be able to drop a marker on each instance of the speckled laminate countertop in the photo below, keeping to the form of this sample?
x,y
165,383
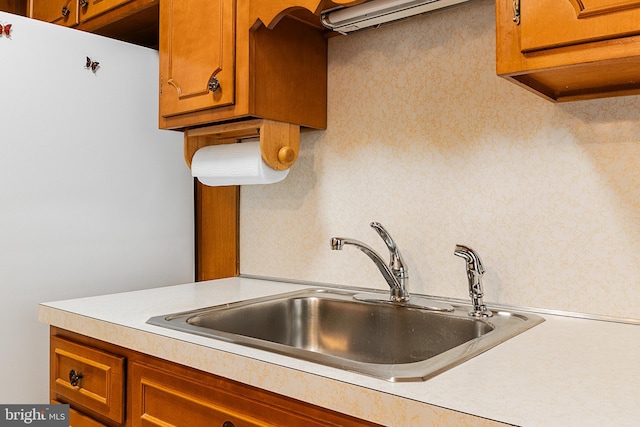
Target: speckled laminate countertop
x,y
564,372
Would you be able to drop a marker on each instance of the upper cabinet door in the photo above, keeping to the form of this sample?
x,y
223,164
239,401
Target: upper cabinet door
x,y
554,23
61,12
91,8
196,55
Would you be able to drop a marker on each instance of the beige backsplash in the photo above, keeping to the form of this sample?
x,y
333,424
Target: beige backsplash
x,y
426,139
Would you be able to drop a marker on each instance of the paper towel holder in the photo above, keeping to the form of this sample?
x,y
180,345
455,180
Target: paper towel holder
x,y
279,141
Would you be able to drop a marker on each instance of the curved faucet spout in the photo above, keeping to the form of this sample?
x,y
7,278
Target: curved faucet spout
x,y
395,274
337,243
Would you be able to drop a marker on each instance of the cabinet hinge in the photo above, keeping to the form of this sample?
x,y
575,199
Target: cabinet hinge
x,y
516,11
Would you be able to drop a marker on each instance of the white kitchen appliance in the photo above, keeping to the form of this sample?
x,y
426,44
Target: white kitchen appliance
x,y
94,199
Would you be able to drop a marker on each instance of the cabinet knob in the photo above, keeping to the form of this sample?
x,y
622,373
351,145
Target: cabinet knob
x,y
74,377
227,424
65,11
214,84
83,3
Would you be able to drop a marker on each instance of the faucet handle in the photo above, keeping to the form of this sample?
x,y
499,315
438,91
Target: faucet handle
x,y
396,263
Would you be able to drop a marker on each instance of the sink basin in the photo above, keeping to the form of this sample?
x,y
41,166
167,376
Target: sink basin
x,y
391,341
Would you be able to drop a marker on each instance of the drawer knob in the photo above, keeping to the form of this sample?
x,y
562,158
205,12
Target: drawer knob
x,y
74,377
227,424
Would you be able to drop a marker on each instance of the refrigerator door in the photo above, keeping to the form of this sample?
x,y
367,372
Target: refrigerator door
x,y
94,199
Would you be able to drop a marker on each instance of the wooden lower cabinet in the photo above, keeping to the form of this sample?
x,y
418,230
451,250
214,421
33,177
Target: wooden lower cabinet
x,y
191,399
88,378
159,393
78,419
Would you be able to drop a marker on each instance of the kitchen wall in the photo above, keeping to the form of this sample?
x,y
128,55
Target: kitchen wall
x,y
425,138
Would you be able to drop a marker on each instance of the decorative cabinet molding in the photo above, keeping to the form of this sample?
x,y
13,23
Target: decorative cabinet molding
x,y
568,50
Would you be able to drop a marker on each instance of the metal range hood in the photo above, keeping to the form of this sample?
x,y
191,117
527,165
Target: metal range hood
x,y
375,12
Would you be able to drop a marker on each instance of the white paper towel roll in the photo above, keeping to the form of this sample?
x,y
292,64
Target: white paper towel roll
x,y
233,164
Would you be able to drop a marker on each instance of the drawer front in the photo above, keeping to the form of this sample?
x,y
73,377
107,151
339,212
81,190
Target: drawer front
x,y
162,399
78,419
166,398
88,377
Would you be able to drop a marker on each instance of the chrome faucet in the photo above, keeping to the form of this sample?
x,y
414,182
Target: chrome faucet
x,y
396,274
475,270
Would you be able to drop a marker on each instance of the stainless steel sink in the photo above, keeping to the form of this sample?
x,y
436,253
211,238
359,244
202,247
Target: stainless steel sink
x,y
392,341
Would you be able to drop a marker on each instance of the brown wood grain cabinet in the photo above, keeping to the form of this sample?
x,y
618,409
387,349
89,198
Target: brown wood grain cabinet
x,y
89,9
61,12
134,21
220,62
162,393
567,50
89,379
18,7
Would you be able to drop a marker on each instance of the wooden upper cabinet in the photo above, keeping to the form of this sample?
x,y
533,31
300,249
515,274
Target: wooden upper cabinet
x,y
197,55
17,7
92,8
568,50
74,12
554,23
219,61
133,21
61,12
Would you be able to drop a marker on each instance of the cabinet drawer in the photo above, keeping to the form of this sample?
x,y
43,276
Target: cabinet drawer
x,y
90,378
163,399
78,419
181,397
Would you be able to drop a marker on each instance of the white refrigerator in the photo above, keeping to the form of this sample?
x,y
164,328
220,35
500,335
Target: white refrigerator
x,y
94,199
